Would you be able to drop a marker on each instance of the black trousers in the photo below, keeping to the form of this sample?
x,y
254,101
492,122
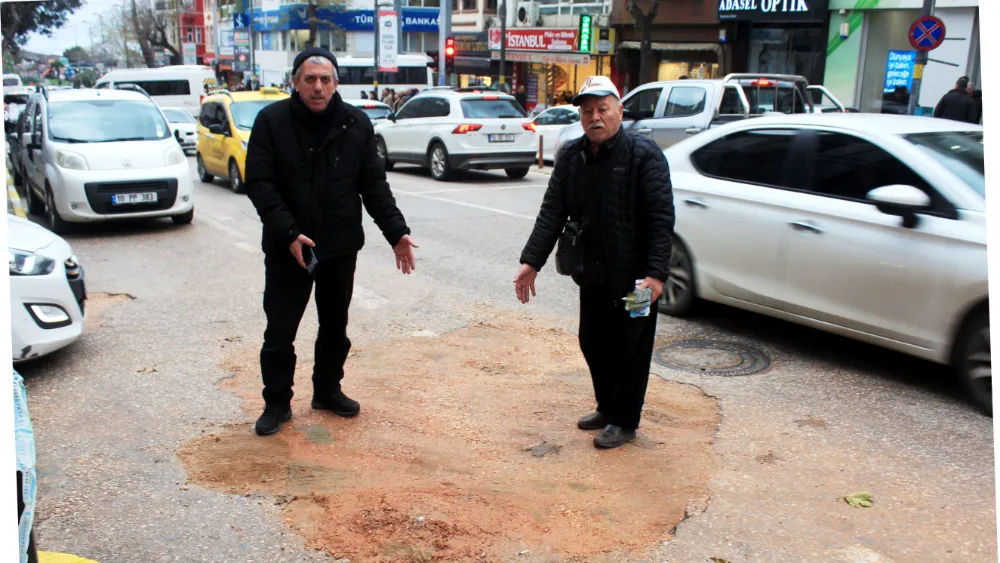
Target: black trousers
x,y
287,287
618,350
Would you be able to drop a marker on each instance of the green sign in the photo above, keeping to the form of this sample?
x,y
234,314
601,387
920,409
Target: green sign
x,y
585,33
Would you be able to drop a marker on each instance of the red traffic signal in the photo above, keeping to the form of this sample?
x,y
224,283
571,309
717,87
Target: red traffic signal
x,y
449,47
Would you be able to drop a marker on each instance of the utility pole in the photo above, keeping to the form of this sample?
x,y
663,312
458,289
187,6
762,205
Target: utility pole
x,y
503,44
918,67
444,30
253,63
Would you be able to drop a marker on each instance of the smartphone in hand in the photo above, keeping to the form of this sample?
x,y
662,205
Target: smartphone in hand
x,y
309,257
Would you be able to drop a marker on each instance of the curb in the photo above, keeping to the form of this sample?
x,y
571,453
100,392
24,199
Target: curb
x,y
13,200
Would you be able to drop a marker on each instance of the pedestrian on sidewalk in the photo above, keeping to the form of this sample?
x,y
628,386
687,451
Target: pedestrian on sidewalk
x,y
612,188
311,164
957,104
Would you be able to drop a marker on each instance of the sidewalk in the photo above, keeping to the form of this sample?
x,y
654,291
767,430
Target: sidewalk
x,y
14,205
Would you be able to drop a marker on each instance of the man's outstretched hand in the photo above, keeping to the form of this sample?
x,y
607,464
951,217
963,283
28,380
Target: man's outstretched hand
x,y
525,282
404,254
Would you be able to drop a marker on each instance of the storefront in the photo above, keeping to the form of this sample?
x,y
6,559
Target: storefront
x,y
872,65
778,36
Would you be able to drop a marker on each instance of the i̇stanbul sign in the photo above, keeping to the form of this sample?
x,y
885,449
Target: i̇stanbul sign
x,y
773,10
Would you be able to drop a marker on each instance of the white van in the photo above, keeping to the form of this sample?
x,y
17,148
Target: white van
x,y
357,74
179,86
12,84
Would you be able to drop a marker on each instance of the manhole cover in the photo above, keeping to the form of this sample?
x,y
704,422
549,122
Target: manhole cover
x,y
712,357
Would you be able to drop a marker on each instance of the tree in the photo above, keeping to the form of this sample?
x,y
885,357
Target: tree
x,y
18,20
644,24
151,27
76,54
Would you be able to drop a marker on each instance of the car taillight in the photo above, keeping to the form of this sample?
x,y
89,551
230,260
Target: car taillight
x,y
467,128
491,97
529,127
762,82
369,106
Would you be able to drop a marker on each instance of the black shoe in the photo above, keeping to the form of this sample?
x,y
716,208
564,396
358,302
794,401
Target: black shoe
x,y
338,402
593,421
613,437
271,420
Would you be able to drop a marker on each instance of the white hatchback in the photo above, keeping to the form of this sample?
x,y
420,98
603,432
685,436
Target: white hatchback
x,y
869,226
47,292
464,129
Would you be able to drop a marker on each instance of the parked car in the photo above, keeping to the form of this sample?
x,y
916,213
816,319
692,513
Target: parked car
x,y
550,122
224,131
47,291
868,226
13,106
12,84
463,129
374,109
183,127
102,155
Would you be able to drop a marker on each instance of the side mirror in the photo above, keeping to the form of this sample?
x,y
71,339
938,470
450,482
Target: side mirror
x,y
177,135
391,117
901,201
216,129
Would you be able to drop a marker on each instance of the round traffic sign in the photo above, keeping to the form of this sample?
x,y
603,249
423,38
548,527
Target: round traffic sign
x,y
927,33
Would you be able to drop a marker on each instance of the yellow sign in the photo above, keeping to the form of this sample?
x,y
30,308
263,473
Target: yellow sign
x,y
603,41
918,72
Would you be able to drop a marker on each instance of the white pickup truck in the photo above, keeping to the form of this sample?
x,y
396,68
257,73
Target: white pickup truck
x,y
672,110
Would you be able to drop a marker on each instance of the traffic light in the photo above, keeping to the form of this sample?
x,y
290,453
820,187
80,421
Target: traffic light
x,y
449,54
585,33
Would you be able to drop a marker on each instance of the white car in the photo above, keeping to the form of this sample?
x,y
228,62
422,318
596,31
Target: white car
x,y
183,127
102,155
374,109
550,122
868,226
47,292
464,129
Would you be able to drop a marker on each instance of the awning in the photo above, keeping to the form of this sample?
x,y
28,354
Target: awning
x,y
674,46
545,58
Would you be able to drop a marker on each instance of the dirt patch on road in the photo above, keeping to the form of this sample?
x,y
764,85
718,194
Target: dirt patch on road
x,y
466,449
98,303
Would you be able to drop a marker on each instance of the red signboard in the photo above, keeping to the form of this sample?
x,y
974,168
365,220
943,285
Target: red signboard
x,y
537,39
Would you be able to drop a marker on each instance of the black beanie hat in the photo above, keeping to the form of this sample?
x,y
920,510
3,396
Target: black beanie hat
x,y
313,52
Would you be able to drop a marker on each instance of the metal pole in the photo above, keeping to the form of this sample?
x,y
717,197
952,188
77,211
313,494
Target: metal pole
x,y
444,30
503,44
253,61
375,47
919,64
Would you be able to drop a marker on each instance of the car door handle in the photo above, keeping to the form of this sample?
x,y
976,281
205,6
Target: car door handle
x,y
693,130
696,203
646,132
805,226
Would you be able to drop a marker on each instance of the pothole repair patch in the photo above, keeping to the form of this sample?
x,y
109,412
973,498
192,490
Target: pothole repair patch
x,y
712,357
466,448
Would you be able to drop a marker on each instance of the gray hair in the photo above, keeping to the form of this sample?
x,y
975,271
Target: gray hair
x,y
317,59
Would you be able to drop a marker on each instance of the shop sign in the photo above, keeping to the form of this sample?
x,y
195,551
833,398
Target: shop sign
x,y
471,45
241,60
604,41
536,39
289,16
899,71
773,10
545,58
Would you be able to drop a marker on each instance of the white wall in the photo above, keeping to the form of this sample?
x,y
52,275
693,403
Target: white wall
x,y
940,78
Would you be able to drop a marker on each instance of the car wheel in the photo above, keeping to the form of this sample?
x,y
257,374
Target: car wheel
x,y
383,153
972,360
439,163
235,182
184,218
56,223
516,173
202,173
678,296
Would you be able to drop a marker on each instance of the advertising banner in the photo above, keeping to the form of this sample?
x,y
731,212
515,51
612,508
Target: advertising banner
x,y
899,71
536,39
388,41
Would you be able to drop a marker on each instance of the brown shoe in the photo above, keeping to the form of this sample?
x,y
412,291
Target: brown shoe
x,y
593,421
613,437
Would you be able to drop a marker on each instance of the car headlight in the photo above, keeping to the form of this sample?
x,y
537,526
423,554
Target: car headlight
x,y
71,161
29,264
245,144
175,156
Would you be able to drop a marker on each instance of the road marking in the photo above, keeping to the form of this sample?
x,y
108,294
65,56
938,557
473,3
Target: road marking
x,y
14,200
471,189
220,227
471,205
367,299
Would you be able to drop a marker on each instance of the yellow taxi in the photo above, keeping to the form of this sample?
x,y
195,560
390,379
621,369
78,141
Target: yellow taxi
x,y
224,130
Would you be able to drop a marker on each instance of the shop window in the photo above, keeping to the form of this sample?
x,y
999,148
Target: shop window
x,y
759,156
643,104
467,5
685,101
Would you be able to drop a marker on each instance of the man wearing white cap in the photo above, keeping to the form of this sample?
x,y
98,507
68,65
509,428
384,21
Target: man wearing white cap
x,y
609,206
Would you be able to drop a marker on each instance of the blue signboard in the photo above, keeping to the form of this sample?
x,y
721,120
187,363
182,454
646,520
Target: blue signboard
x,y
241,21
899,71
414,20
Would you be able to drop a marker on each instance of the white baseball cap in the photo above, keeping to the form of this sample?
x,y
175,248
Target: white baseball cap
x,y
599,86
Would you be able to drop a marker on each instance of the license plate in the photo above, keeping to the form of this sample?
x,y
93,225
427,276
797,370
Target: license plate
x,y
501,138
126,199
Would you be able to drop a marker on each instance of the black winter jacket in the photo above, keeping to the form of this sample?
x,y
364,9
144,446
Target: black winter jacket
x,y
637,212
957,105
322,201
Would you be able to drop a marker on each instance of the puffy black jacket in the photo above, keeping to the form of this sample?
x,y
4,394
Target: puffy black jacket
x,y
637,212
322,201
957,105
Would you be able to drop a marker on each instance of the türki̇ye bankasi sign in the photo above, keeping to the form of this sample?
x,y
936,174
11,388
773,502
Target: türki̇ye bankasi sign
x,y
773,10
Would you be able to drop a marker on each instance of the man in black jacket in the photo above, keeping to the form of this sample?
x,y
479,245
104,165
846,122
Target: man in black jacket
x,y
957,104
617,184
311,163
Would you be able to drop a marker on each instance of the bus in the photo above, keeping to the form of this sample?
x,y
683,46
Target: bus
x,y
179,86
357,75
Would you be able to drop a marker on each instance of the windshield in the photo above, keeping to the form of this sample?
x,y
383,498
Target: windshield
x,y
105,121
959,152
376,113
485,109
178,116
244,113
